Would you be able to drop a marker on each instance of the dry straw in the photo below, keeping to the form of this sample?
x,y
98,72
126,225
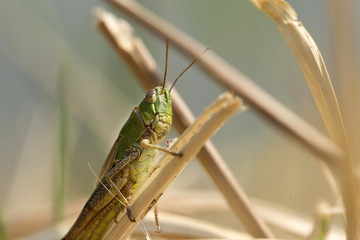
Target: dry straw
x,y
313,67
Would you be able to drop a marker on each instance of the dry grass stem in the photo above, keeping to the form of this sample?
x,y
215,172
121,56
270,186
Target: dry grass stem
x,y
136,55
311,63
232,79
313,67
162,177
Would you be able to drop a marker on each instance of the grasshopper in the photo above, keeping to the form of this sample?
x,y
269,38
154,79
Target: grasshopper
x,y
129,162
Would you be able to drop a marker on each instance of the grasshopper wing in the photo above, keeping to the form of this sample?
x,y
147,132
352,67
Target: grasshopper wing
x,y
109,160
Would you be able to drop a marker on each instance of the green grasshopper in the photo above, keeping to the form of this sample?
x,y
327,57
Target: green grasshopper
x,y
129,162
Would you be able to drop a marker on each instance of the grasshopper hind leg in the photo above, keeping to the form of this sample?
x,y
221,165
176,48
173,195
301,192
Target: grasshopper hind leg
x,y
112,173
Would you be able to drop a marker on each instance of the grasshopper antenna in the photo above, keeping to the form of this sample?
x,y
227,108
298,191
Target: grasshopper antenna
x,y
192,63
166,65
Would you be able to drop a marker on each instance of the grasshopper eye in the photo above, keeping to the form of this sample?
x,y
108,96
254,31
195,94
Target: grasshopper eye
x,y
151,96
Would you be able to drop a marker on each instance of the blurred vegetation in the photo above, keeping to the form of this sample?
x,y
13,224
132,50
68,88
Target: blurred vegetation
x,y
100,93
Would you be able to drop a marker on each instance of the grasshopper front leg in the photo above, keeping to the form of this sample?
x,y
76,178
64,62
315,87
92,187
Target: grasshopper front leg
x,y
146,143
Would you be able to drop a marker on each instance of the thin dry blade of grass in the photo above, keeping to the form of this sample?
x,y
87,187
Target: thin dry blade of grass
x,y
232,79
148,194
310,61
138,58
313,67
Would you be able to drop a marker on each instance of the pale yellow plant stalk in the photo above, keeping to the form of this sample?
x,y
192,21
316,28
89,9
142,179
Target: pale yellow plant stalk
x,y
313,67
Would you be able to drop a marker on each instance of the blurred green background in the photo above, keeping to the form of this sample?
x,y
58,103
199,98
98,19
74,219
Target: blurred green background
x,y
52,58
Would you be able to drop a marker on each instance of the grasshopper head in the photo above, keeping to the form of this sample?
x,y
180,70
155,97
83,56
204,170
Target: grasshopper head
x,y
157,100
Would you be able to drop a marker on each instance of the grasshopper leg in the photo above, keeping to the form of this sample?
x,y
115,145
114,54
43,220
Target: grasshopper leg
x,y
132,156
146,143
156,214
130,213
